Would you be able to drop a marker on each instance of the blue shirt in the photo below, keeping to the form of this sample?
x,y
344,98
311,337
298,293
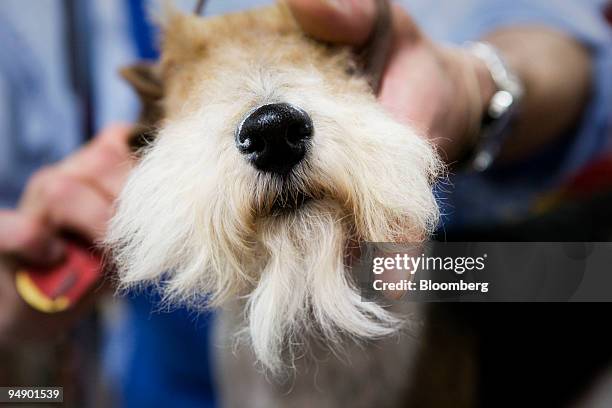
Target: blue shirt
x,y
163,358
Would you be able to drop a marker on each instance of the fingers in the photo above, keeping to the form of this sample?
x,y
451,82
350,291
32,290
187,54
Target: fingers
x,y
339,21
117,135
77,206
105,162
62,201
77,194
23,237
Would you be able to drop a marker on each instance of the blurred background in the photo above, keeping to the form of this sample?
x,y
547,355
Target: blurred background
x,y
59,86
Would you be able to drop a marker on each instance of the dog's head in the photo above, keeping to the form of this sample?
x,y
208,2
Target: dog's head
x,y
270,162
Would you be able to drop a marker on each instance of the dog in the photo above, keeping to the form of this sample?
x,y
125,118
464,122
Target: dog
x,y
264,160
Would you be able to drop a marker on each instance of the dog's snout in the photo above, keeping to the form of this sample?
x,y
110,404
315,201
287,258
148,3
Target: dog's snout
x,y
275,137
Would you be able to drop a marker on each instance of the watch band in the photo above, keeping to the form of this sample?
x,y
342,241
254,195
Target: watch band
x,y
502,108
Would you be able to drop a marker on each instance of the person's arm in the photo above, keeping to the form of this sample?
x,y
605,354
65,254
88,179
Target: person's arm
x,y
434,88
556,73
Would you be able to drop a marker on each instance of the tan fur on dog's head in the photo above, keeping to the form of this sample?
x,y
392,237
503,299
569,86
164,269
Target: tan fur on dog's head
x,y
197,219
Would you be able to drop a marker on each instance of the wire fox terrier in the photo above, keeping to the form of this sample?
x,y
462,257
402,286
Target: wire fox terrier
x,y
266,159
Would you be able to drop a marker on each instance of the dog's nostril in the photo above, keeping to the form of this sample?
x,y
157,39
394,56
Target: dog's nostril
x,y
275,137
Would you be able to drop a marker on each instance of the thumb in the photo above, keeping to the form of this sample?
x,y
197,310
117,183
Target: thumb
x,y
338,21
27,239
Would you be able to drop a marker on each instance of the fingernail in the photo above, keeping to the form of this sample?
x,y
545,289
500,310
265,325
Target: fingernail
x,y
337,4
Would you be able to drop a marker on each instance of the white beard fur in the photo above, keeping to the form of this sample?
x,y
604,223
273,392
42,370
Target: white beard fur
x,y
198,222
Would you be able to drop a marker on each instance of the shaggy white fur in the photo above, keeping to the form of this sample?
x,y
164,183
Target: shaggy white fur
x,y
196,219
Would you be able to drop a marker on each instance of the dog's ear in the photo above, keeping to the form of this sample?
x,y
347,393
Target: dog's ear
x,y
146,81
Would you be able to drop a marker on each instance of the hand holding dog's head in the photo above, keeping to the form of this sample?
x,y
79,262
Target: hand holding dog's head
x,y
272,158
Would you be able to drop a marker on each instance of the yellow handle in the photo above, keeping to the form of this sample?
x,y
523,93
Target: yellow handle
x,y
37,299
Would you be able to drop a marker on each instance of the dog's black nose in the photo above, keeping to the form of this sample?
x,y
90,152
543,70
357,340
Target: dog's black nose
x,y
275,137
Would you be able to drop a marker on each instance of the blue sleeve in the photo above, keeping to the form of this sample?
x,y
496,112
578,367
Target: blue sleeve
x,y
39,123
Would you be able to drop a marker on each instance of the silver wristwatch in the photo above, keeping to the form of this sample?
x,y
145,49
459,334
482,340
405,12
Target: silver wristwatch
x,y
502,109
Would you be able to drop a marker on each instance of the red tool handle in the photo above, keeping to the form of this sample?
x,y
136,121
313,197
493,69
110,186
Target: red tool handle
x,y
55,289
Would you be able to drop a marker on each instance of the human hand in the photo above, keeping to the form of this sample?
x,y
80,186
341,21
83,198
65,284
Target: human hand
x,y
75,195
439,90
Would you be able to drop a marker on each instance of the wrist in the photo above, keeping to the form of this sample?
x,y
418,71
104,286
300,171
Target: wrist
x,y
486,85
474,89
